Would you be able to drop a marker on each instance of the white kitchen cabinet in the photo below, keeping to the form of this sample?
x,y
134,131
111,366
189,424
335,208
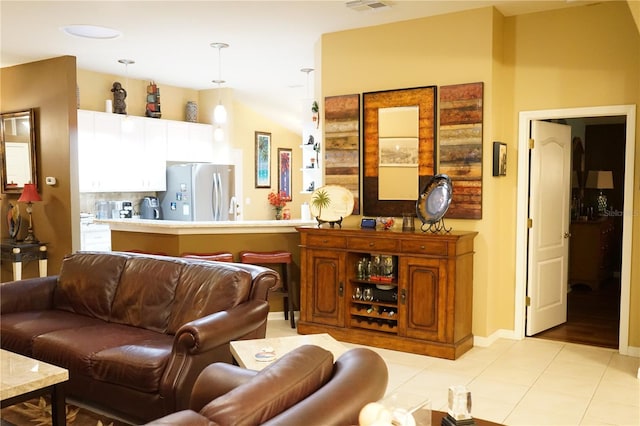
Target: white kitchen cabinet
x,y
119,153
189,142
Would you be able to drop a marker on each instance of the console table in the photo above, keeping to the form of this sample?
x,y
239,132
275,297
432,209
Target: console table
x,y
17,252
423,304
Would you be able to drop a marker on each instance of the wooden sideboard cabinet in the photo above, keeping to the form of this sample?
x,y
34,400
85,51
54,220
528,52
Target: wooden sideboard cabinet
x,y
590,251
420,303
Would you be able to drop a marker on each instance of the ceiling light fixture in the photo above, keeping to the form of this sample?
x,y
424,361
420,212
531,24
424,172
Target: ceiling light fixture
x,y
127,125
219,113
91,31
307,71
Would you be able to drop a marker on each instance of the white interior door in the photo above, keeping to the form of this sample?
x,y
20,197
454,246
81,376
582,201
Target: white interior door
x,y
549,206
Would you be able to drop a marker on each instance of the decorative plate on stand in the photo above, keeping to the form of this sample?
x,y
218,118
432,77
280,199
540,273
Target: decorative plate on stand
x,y
434,201
331,203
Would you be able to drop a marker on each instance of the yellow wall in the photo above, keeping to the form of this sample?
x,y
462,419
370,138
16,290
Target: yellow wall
x,y
581,56
49,86
586,56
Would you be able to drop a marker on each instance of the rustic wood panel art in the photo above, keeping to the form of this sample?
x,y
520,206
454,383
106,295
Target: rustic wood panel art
x,y
425,99
460,152
342,142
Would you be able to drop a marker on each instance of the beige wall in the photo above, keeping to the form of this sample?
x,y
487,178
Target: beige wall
x,y
581,56
49,86
586,56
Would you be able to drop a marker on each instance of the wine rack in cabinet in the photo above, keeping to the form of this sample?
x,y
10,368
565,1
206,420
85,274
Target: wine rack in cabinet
x,y
407,291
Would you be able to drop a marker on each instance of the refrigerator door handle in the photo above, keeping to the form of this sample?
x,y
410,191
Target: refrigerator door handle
x,y
218,189
214,196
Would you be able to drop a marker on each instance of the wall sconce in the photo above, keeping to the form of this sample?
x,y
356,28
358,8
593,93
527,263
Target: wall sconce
x,y
30,196
600,179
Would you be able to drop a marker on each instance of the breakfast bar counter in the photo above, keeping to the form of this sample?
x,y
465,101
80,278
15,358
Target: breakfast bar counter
x,y
174,238
177,227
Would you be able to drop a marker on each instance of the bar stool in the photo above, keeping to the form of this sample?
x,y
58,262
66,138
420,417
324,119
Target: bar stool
x,y
282,258
220,256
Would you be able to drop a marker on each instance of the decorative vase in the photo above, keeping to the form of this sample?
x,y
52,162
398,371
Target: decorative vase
x,y
278,213
192,112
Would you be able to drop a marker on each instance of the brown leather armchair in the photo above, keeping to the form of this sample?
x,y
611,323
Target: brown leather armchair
x,y
303,387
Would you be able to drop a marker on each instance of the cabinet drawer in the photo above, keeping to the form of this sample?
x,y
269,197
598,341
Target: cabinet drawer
x,y
326,241
373,244
438,248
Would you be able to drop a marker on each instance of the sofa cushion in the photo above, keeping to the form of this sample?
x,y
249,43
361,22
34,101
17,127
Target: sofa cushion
x,y
19,329
87,283
102,350
206,288
138,365
279,386
146,292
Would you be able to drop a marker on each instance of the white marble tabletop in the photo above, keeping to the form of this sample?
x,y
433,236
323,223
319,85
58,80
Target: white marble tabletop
x,y
20,374
244,351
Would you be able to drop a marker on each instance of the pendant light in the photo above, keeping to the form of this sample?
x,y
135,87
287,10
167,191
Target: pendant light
x,y
127,124
220,112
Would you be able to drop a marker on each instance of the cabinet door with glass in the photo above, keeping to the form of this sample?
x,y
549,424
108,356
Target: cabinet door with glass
x,y
325,282
422,298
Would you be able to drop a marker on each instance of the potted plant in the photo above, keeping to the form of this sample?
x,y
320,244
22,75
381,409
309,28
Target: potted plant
x,y
278,201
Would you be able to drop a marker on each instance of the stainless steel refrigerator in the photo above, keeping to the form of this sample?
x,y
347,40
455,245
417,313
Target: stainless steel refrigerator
x,y
199,191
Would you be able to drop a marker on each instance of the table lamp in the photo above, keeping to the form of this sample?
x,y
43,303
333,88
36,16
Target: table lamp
x,y
29,196
600,179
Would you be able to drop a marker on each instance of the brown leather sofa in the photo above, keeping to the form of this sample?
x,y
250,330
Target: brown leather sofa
x,y
303,387
135,330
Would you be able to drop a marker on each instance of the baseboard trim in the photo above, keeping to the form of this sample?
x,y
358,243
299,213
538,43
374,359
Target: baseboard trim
x,y
498,334
279,315
633,351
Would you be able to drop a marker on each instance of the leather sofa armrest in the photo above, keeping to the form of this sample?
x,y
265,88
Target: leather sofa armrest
x,y
217,329
30,294
203,341
360,376
185,417
216,380
263,280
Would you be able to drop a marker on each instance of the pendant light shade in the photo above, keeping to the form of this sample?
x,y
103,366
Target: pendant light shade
x,y
218,134
220,112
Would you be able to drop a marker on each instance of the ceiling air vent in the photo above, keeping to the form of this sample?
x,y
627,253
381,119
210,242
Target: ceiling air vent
x,y
362,5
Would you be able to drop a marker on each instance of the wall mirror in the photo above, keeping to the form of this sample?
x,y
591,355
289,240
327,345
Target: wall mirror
x,y
398,149
18,140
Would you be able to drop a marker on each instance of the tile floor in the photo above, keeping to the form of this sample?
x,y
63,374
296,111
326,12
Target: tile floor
x,y
526,382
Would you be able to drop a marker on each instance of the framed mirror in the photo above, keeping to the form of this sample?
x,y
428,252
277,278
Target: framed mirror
x,y
398,149
18,148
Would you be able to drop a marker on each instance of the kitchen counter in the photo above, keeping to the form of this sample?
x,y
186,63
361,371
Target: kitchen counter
x,y
177,227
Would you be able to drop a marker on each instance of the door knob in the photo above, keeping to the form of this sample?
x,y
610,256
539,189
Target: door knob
x,y
567,235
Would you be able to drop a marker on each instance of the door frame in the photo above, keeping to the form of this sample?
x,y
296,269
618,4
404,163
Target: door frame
x,y
524,124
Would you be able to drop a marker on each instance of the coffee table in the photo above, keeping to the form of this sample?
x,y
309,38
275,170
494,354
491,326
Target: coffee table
x,y
23,378
244,351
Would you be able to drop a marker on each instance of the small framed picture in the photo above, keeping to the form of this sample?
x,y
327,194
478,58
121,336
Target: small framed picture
x,y
263,160
499,159
284,172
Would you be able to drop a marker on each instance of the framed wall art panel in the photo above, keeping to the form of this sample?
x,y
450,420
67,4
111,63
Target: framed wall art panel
x,y
460,147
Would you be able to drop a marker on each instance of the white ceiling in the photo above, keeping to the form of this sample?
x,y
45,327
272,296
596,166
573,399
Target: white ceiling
x,y
270,41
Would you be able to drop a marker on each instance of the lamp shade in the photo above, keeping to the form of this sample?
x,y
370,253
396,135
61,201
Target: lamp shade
x,y
600,179
220,114
29,194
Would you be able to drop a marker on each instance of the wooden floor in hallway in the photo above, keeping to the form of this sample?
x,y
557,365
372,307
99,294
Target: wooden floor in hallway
x,y
593,316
